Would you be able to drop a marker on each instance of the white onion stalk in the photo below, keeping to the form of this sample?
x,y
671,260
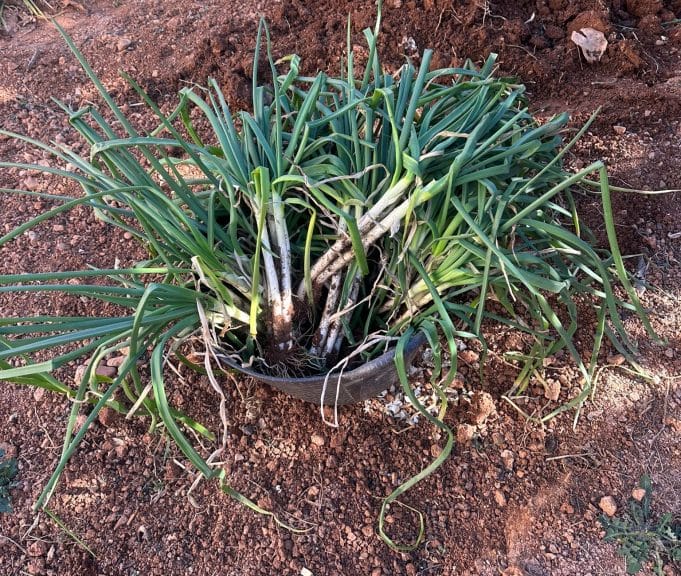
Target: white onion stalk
x,y
283,315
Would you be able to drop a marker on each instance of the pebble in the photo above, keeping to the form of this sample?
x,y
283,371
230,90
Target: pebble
x,y
669,353
616,359
38,394
37,548
106,417
552,390
123,44
317,440
465,433
36,566
482,407
638,494
107,371
58,228
508,459
116,361
469,356
608,505
499,498
619,129
305,572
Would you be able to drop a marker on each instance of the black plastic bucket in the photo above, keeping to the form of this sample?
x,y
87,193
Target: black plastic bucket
x,y
345,387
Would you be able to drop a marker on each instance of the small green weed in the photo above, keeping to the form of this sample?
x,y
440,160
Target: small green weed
x,y
641,538
8,471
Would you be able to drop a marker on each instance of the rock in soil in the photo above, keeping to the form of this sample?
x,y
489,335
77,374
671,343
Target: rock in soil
x,y
608,505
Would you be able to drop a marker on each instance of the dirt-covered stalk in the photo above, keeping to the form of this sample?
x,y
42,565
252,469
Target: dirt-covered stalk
x,y
334,340
283,318
329,308
341,249
369,237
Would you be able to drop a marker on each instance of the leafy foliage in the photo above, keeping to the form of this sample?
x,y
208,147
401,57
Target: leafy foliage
x,y
8,471
340,217
641,538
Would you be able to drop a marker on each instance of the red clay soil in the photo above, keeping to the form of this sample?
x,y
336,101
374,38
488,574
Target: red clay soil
x,y
515,498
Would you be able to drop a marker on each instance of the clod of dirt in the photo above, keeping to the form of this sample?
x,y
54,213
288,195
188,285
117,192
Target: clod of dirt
x,y
640,8
630,51
482,407
37,549
608,505
592,43
552,390
596,19
465,433
107,417
36,566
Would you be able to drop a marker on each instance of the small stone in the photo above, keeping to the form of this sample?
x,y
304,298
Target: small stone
x,y
469,356
638,494
31,183
508,459
107,371
619,129
79,375
127,235
123,44
317,440
121,451
499,498
36,566
38,394
616,359
305,572
116,361
552,390
482,407
106,416
58,228
435,450
37,548
669,353
465,433
608,505
567,508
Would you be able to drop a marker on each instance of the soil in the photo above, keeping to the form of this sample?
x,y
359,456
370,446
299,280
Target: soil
x,y
515,497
